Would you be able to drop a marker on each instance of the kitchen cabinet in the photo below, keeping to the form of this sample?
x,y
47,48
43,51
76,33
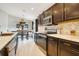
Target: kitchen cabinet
x,y
52,46
71,11
58,13
39,20
61,47
47,20
48,12
68,48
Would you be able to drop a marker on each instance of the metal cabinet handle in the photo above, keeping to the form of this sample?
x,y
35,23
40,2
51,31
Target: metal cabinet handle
x,y
75,51
67,44
50,39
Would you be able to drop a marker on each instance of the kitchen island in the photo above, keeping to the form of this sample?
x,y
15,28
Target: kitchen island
x,y
8,44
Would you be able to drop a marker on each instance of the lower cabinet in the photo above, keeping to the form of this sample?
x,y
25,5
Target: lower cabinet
x,y
67,48
52,46
62,47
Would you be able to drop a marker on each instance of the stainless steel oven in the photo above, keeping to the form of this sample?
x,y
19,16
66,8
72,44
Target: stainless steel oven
x,y
41,41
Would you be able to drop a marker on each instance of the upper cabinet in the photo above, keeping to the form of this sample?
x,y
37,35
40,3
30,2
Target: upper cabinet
x,y
57,13
47,20
40,19
60,12
48,12
71,11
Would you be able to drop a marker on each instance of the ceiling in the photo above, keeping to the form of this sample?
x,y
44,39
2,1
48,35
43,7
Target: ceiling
x,y
29,11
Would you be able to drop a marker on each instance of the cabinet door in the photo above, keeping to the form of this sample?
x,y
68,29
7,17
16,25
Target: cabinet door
x,y
39,20
52,46
58,13
42,17
71,11
48,12
68,49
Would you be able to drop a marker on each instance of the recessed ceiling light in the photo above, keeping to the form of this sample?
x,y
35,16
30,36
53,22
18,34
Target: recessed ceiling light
x,y
32,8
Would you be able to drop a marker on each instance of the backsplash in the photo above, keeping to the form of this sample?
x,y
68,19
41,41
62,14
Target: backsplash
x,y
69,27
41,28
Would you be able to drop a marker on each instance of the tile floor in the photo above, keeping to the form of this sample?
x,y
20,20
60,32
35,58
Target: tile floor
x,y
28,48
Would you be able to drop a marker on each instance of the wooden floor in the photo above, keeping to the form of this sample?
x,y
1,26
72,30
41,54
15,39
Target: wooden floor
x,y
28,48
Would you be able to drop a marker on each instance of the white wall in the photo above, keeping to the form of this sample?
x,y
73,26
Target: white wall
x,y
29,22
12,21
3,21
9,22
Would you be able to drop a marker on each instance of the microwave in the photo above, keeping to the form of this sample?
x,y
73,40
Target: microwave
x,y
48,20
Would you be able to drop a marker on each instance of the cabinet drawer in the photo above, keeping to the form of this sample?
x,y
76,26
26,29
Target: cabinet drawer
x,y
70,44
68,48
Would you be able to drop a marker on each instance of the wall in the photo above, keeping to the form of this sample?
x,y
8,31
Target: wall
x,y
12,21
3,21
69,27
8,22
29,22
41,28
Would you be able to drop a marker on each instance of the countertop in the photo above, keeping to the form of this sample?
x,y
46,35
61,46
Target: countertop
x,y
4,40
65,37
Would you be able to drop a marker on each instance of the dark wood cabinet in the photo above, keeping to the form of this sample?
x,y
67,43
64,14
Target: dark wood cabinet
x,y
39,20
62,47
61,12
52,46
68,48
57,13
48,12
42,16
71,11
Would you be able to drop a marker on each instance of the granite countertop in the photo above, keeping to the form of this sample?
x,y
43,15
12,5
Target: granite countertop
x,y
66,37
4,40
